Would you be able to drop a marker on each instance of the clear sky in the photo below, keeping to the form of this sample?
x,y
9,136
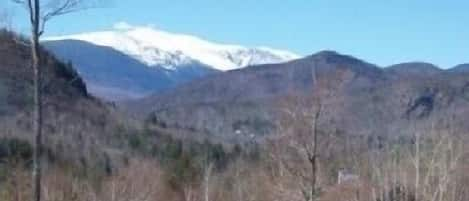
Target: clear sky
x,y
381,32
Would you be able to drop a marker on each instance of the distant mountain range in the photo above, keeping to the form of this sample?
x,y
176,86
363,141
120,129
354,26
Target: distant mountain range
x,y
364,99
204,89
132,62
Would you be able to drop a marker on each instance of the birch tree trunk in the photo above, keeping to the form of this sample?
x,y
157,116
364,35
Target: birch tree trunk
x,y
417,165
207,175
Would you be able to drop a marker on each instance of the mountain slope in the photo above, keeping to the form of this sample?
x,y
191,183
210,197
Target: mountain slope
x,y
363,99
113,75
77,127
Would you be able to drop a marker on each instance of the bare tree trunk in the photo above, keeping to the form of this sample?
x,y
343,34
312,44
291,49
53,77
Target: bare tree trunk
x,y
208,174
313,180
417,166
36,58
313,158
314,154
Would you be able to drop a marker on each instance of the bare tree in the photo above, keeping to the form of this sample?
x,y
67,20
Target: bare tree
x,y
40,12
208,169
300,118
300,123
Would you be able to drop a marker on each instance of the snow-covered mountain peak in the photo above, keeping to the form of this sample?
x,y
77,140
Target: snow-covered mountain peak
x,y
160,48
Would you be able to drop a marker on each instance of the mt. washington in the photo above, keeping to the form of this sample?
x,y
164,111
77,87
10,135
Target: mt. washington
x,y
132,62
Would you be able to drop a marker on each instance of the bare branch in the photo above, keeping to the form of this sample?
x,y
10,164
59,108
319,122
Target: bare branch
x,y
67,6
19,1
51,9
60,8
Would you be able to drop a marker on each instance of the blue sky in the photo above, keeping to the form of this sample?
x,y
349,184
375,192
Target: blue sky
x,y
381,32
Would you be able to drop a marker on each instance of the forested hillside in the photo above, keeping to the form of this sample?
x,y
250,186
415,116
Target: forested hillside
x,y
358,99
79,129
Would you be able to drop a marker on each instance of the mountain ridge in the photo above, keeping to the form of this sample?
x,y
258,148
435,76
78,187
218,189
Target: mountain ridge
x,y
160,48
363,98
